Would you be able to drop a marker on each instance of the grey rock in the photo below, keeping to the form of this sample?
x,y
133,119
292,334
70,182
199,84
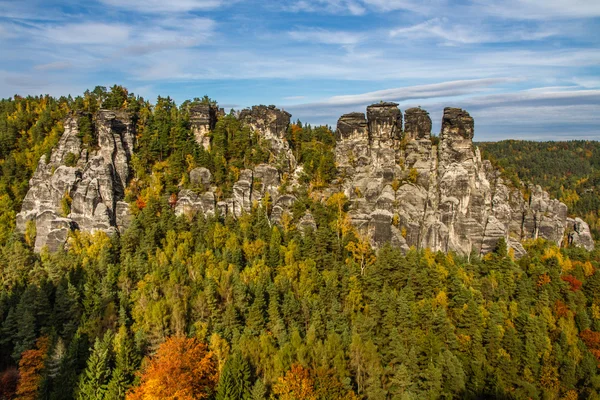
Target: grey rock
x,y
454,201
94,187
417,124
384,121
201,177
271,124
203,119
579,234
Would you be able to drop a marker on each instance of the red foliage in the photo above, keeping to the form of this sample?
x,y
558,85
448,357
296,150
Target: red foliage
x,y
574,282
8,383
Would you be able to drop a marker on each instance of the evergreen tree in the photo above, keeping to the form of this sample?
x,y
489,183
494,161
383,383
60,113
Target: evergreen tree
x,y
235,381
94,380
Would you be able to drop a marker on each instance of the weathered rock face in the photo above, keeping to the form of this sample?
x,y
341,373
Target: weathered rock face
x,y
81,188
442,197
579,234
401,188
203,119
271,123
385,122
417,123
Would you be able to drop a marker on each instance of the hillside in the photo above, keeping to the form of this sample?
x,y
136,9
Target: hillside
x,y
153,248
569,171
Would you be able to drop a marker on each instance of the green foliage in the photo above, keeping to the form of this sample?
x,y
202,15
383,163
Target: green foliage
x,y
87,133
314,148
235,381
71,159
94,380
271,299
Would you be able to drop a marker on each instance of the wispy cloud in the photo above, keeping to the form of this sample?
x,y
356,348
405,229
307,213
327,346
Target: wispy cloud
x,y
162,6
352,7
88,33
539,9
444,29
436,90
326,36
53,66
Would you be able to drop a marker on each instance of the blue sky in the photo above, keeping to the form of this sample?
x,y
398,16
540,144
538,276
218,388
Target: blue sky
x,y
525,69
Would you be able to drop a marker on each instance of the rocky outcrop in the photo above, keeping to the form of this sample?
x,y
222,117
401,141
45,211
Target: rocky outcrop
x,y
442,197
579,234
81,186
385,122
203,118
417,124
402,189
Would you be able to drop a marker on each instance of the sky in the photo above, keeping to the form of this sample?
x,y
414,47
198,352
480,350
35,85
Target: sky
x,y
524,69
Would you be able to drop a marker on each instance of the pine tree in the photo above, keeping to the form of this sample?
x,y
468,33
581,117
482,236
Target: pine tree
x,y
235,380
94,380
126,363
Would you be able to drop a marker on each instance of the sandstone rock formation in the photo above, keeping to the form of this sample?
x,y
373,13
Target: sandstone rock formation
x,y
401,187
442,197
81,187
271,123
203,118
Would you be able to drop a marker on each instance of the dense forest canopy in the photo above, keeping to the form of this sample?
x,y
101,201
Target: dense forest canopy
x,y
224,308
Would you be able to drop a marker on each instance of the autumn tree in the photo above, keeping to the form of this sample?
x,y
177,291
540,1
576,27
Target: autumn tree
x,y
182,369
297,384
31,368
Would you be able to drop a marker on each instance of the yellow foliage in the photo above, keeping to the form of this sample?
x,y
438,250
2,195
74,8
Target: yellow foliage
x,y
254,249
220,349
89,245
255,272
570,395
362,253
413,175
441,299
595,311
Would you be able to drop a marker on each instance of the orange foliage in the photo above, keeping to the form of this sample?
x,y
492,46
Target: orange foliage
x,y
574,282
30,369
544,279
181,369
561,309
173,200
140,203
592,341
295,385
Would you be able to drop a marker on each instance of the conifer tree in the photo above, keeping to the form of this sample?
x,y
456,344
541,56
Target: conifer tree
x,y
235,380
93,383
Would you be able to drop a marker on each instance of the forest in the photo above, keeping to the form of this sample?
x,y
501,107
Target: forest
x,y
222,308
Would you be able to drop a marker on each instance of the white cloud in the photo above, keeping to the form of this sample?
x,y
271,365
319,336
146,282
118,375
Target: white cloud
x,y
294,97
326,37
88,33
351,7
442,28
163,6
572,57
443,89
53,66
540,9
